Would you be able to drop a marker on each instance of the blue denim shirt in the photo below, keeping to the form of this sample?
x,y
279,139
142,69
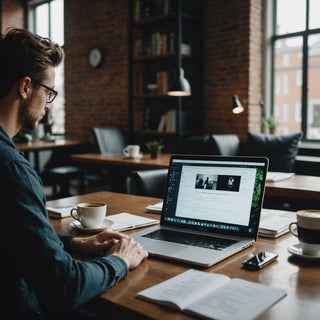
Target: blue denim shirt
x,y
38,275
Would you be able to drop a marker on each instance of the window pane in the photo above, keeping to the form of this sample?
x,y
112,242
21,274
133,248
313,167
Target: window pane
x,y
313,109
314,9
291,16
287,94
57,21
42,18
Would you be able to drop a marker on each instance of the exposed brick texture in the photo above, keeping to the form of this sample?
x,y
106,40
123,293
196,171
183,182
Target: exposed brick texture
x,y
99,97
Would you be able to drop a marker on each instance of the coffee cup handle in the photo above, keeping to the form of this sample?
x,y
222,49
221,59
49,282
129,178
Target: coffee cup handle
x,y
72,214
290,229
125,152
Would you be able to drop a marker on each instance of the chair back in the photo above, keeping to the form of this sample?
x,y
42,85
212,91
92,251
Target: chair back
x,y
226,144
149,183
109,140
196,145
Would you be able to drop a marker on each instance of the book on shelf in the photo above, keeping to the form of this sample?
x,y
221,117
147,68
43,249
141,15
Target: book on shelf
x,y
213,296
149,8
167,122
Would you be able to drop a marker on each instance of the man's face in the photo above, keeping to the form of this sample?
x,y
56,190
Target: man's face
x,y
35,108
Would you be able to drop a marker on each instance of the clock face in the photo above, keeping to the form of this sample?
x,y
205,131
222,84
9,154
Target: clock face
x,y
95,57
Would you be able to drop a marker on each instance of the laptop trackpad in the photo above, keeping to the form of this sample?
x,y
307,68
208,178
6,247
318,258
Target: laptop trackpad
x,y
163,248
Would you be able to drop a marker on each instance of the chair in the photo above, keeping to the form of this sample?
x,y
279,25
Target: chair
x,y
149,183
58,173
197,144
225,144
109,140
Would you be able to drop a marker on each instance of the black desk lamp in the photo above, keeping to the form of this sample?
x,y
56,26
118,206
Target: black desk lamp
x,y
237,106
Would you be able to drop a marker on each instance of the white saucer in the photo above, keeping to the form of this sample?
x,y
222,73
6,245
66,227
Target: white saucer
x,y
105,224
138,157
296,250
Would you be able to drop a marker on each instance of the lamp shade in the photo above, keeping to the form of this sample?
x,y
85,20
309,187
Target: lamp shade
x,y
180,87
236,105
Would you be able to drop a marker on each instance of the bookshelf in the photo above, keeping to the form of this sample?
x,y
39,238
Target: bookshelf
x,y
164,34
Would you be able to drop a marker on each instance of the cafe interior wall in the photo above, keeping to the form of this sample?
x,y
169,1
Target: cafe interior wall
x,y
233,36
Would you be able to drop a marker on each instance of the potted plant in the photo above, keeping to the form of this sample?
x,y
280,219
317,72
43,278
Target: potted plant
x,y
271,122
155,147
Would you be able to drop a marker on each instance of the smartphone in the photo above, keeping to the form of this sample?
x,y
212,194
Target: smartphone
x,y
259,261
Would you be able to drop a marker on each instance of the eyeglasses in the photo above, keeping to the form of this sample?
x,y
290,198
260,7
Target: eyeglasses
x,y
52,93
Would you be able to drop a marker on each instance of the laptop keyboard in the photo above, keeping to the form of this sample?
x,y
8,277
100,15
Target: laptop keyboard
x,y
191,239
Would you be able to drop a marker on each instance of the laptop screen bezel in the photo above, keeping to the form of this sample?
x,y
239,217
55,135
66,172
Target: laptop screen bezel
x,y
236,159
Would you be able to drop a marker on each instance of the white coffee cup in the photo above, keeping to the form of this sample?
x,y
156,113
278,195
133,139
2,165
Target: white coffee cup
x,y
132,151
89,214
308,227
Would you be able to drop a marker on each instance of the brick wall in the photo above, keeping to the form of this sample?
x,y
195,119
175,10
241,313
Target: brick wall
x,y
96,97
12,15
99,97
232,64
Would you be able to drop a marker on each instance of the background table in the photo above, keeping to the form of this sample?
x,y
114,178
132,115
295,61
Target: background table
x,y
300,278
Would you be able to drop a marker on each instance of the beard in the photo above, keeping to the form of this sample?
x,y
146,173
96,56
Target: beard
x,y
28,118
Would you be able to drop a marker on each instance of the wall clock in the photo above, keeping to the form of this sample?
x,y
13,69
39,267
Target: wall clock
x,y
95,57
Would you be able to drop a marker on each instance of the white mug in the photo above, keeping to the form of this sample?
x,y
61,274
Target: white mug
x,y
132,151
308,227
89,214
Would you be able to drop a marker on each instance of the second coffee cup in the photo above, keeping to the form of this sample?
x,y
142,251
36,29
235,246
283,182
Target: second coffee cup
x,y
90,214
132,151
308,227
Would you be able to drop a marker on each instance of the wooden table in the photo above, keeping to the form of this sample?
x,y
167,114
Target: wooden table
x,y
162,162
300,278
298,186
41,145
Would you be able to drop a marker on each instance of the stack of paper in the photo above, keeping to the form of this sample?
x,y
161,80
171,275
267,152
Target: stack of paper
x,y
274,223
59,212
277,176
155,208
127,221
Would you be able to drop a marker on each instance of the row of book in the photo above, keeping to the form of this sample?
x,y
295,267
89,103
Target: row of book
x,y
155,45
149,8
143,121
160,86
158,44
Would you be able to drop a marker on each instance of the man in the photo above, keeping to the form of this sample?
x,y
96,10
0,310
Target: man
x,y
39,278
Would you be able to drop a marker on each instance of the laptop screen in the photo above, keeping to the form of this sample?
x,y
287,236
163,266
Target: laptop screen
x,y
216,194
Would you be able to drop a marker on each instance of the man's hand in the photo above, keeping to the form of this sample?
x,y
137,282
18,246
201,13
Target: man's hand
x,y
97,244
130,251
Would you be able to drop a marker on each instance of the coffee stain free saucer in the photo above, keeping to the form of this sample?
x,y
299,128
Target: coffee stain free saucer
x,y
105,224
296,250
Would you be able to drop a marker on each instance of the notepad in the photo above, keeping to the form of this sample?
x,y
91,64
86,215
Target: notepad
x,y
277,176
213,296
59,212
127,221
274,223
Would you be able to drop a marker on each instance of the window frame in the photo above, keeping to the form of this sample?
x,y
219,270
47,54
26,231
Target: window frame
x,y
272,38
32,26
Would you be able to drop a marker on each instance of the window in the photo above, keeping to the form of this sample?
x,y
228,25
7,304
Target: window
x,y
46,18
295,46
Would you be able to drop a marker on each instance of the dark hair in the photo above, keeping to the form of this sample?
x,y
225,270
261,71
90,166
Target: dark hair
x,y
22,54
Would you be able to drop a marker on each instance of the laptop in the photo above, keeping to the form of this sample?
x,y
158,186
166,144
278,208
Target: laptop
x,y
211,209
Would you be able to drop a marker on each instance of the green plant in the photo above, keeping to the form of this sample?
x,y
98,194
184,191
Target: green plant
x,y
271,122
155,145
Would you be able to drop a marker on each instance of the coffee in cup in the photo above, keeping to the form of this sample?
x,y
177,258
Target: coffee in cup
x,y
308,227
132,151
89,214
